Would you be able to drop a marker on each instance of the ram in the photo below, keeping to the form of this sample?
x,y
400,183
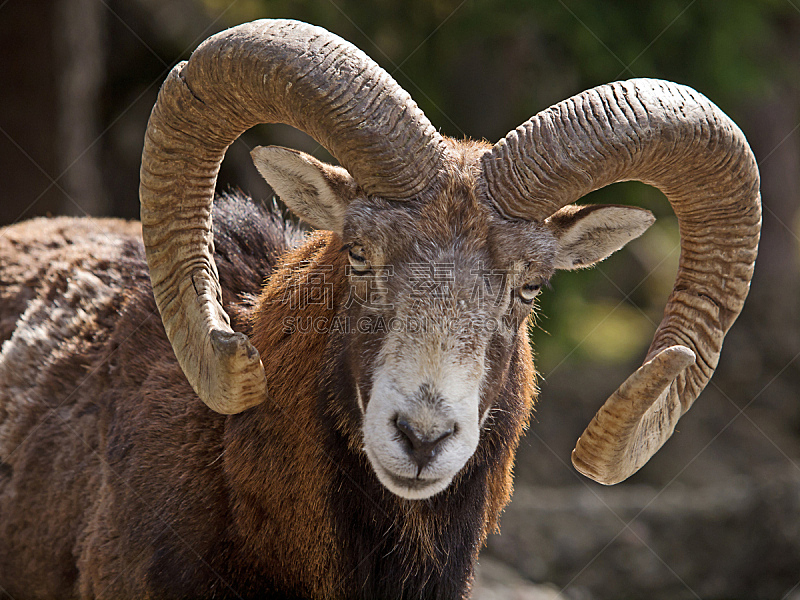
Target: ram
x,y
364,387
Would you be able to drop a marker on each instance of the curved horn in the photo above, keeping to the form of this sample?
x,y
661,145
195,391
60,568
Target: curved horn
x,y
675,139
262,72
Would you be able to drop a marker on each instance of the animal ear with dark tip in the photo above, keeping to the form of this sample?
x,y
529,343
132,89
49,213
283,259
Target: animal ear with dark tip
x,y
588,234
315,191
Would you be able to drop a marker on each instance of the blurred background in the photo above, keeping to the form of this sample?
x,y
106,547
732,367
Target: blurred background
x,y
716,514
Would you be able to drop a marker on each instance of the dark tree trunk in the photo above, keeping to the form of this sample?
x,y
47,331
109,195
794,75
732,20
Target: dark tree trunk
x,y
28,111
81,74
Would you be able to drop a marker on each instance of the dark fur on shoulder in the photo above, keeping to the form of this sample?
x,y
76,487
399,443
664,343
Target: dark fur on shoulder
x,y
95,414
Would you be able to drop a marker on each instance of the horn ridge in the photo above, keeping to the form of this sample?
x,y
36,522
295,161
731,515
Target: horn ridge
x,y
674,138
262,72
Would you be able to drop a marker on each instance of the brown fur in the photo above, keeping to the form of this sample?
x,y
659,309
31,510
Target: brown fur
x,y
305,554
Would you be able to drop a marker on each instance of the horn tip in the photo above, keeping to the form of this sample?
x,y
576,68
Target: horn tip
x,y
233,346
605,452
593,471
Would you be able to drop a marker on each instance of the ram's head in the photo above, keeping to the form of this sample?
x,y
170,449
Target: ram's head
x,y
447,242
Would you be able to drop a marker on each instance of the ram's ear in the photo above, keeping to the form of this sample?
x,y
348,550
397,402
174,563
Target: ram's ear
x,y
588,234
314,191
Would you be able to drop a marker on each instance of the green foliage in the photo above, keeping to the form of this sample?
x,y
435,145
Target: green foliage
x,y
721,48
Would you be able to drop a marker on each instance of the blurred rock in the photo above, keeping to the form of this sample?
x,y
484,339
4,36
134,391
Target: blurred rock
x,y
735,539
495,580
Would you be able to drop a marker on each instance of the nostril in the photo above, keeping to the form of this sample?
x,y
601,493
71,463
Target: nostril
x,y
421,448
450,431
408,432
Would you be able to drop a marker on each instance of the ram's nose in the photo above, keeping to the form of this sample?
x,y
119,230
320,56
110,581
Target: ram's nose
x,y
421,447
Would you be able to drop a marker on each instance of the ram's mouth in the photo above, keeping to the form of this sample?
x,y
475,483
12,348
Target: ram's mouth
x,y
410,488
413,483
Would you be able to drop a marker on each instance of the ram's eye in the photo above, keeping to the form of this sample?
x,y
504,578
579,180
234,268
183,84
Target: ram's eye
x,y
358,260
529,291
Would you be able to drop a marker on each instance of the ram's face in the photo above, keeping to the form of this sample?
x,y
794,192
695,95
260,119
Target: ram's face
x,y
440,291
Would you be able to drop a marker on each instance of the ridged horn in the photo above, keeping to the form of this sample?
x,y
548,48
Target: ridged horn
x,y
263,72
671,137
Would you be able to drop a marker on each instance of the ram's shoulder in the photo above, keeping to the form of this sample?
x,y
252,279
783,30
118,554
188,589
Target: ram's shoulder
x,y
44,258
99,258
